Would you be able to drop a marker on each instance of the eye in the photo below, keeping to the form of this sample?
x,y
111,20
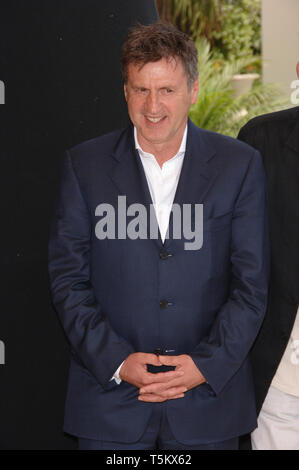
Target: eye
x,y
167,91
141,91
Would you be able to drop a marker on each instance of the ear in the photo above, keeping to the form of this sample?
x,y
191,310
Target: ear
x,y
194,91
297,68
125,92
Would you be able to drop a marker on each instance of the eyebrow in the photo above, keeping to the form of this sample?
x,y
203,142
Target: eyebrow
x,y
160,88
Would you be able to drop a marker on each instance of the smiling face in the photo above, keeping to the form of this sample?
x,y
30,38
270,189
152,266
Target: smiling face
x,y
158,102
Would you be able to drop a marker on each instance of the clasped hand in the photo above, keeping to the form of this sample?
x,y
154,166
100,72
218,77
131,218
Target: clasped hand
x,y
161,386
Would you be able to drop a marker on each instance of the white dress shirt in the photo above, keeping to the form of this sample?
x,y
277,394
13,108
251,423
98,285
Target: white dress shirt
x,y
162,183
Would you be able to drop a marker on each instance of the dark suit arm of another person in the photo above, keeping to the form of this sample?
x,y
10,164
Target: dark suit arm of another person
x,y
221,354
96,344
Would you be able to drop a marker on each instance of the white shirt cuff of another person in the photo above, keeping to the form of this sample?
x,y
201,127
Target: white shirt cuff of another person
x,y
116,376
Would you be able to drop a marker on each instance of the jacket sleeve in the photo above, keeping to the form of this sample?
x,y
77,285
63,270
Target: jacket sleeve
x,y
95,343
222,353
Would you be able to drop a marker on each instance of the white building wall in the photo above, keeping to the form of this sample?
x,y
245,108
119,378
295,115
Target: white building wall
x,y
280,40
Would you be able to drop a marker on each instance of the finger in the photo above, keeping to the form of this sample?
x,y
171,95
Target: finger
x,y
151,397
162,386
152,359
170,360
163,376
164,392
181,395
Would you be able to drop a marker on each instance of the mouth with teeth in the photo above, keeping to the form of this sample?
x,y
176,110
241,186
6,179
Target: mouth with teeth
x,y
155,120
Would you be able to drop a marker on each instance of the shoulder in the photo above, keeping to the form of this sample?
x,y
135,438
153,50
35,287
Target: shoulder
x,y
96,148
228,148
280,120
231,158
225,143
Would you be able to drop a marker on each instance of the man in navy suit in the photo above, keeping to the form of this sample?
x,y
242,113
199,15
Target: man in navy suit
x,y
160,327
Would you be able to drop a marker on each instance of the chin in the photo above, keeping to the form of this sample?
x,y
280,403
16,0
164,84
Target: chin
x,y
155,134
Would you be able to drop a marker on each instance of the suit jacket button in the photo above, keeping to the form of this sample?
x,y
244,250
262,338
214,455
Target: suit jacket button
x,y
164,304
164,255
158,351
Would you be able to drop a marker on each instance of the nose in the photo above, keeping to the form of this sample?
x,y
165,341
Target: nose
x,y
152,103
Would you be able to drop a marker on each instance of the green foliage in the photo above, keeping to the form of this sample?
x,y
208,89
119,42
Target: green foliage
x,y
239,35
197,18
217,109
231,27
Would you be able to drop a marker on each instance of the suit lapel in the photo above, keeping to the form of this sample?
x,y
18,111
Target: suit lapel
x,y
125,173
198,173
129,179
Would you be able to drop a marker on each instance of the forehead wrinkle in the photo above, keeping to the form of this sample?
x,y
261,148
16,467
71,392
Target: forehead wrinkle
x,y
157,74
171,59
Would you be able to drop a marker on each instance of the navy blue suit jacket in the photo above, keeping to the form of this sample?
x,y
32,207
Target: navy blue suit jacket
x,y
108,292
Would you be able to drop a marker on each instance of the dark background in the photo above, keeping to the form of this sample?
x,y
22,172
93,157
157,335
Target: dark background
x,y
59,60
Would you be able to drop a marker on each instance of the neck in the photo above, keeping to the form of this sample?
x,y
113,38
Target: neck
x,y
162,151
